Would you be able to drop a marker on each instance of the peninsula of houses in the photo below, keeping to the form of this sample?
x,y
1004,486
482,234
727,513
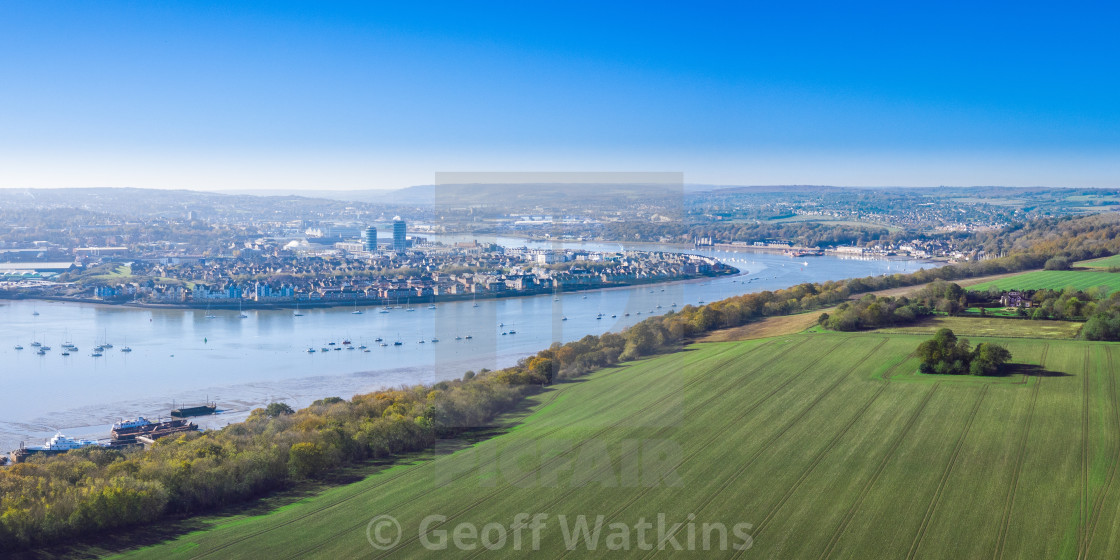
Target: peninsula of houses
x,y
368,271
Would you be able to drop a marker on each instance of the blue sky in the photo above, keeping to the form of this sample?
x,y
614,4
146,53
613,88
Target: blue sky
x,y
304,95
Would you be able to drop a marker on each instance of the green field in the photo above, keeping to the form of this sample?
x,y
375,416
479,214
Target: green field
x,y
1054,280
1104,262
829,445
992,327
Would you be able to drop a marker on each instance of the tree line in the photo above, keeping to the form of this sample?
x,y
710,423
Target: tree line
x,y
873,312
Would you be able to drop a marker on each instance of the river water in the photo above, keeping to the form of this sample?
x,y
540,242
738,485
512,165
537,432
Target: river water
x,y
181,356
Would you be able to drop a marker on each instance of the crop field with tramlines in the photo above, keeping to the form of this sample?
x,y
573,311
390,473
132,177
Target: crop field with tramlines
x,y
828,445
1103,262
1055,280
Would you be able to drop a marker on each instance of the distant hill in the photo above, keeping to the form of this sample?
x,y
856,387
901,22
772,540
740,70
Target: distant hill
x,y
133,202
479,193
425,194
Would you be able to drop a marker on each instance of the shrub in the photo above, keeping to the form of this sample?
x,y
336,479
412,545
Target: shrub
x,y
1058,263
276,409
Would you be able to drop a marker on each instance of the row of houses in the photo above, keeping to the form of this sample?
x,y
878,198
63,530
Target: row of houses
x,y
626,269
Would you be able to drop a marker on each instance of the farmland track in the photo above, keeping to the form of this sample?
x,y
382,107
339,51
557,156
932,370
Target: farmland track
x,y
1099,506
413,471
1013,487
813,465
558,457
847,519
716,436
945,477
1083,525
893,369
775,437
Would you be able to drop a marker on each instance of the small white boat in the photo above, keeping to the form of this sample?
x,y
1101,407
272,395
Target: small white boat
x,y
126,349
62,443
18,347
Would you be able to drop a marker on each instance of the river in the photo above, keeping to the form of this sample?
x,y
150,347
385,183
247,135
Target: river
x,y
181,356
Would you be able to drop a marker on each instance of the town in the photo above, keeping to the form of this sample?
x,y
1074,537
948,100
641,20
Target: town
x,y
365,271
